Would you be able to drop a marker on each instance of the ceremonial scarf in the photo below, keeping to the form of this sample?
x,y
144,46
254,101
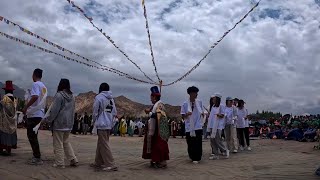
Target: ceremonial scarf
x,y
213,130
36,128
8,114
151,126
191,118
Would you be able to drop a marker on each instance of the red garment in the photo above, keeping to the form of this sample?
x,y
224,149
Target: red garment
x,y
159,147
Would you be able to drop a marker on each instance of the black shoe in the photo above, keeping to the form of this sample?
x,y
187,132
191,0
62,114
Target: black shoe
x,y
5,153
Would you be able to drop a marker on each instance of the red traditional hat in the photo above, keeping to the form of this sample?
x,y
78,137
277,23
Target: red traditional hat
x,y
9,86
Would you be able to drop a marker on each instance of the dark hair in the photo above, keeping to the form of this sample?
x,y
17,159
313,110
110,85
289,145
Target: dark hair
x,y
218,102
8,91
227,102
236,99
104,87
192,89
211,103
38,73
158,97
64,85
240,104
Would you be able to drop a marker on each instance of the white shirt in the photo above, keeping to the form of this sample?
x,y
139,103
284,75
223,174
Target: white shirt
x,y
140,124
196,115
221,121
241,122
38,89
229,114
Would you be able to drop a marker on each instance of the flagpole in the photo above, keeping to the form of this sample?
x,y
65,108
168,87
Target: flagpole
x,y
161,85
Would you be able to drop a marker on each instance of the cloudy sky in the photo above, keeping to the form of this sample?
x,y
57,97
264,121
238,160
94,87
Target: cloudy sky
x,y
271,60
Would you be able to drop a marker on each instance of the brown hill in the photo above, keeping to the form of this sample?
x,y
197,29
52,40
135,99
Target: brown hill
x,y
125,106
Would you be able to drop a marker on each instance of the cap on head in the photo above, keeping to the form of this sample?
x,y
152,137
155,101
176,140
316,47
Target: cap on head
x,y
217,95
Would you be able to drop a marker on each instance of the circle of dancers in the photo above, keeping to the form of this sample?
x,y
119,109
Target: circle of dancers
x,y
229,119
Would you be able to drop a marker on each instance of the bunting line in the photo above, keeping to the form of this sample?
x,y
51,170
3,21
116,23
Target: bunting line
x,y
90,19
56,45
71,59
149,38
214,45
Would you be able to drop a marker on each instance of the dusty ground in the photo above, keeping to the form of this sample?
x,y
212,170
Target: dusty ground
x,y
270,159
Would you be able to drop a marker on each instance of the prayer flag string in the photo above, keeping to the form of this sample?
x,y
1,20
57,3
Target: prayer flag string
x,y
56,45
71,59
105,68
149,38
214,45
90,19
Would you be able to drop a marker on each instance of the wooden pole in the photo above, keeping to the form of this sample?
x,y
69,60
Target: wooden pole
x,y
160,86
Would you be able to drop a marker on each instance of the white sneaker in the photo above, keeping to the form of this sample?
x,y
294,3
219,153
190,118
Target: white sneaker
x,y
214,157
227,154
241,148
195,162
249,148
235,151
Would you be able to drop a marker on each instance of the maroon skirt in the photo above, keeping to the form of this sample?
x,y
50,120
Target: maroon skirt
x,y
159,149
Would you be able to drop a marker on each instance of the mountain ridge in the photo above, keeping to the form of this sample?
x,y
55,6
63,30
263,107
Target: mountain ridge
x,y
124,105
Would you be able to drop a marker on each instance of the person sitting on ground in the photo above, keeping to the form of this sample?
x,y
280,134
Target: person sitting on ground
x,y
295,134
309,135
278,132
264,131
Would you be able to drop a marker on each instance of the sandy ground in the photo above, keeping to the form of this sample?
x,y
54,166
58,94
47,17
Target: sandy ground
x,y
270,159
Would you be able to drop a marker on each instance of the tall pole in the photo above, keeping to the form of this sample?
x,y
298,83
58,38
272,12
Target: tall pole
x,y
160,86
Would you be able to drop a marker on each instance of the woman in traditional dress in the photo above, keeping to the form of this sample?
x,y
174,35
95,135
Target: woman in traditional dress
x,y
131,128
123,127
115,129
8,125
155,145
173,128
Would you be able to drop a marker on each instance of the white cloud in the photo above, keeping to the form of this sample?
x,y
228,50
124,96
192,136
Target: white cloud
x,y
270,60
